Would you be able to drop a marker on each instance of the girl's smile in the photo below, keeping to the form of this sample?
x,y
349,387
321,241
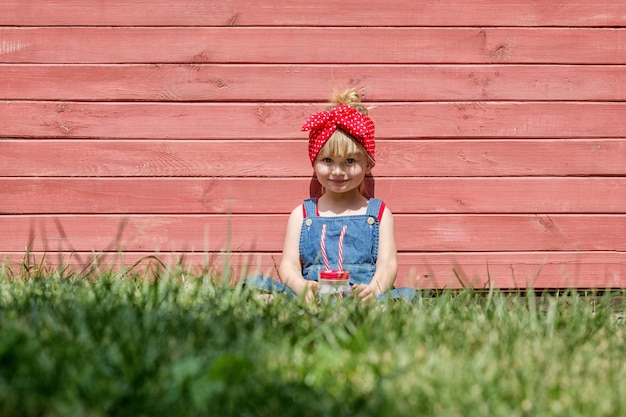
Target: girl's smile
x,y
340,174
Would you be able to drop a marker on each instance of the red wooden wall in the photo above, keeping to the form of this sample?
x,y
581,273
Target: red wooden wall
x,y
130,128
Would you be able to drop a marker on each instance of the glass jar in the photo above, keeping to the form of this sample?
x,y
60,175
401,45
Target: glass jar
x,y
334,284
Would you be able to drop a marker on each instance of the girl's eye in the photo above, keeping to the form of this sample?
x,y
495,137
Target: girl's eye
x,y
327,160
350,161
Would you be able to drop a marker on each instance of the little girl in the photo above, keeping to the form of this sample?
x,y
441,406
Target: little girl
x,y
342,229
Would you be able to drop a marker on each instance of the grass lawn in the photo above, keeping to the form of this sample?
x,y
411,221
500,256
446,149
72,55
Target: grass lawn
x,y
171,343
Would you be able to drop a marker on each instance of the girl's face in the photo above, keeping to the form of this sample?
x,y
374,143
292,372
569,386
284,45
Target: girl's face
x,y
341,174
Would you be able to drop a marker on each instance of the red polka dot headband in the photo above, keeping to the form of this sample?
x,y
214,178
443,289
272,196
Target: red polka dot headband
x,y
323,124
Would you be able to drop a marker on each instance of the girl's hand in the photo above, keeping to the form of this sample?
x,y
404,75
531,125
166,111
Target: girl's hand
x,y
364,292
310,291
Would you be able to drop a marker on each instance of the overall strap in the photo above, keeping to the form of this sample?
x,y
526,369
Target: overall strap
x,y
375,208
309,207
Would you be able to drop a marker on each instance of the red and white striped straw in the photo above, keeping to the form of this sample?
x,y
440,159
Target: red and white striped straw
x,y
343,233
323,247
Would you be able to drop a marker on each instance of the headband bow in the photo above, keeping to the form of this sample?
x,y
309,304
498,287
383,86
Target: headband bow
x,y
323,124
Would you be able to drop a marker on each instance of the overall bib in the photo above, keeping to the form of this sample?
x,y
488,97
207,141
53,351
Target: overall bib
x,y
360,244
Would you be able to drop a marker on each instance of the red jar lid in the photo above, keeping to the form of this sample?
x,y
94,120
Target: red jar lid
x,y
335,275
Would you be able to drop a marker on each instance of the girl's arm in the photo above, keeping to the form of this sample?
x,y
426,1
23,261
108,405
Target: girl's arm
x,y
387,263
290,269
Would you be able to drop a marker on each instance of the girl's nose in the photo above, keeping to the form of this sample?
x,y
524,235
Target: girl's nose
x,y
337,169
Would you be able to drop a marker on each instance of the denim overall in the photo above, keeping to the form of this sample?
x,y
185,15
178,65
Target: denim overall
x,y
360,245
360,248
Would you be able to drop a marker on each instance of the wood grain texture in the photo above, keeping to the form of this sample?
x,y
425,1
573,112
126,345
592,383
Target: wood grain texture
x,y
283,82
384,45
281,195
265,233
318,13
284,120
288,158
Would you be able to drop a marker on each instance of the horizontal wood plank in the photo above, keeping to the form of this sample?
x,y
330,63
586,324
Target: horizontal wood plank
x,y
265,233
281,195
318,13
501,270
288,158
284,120
266,83
379,45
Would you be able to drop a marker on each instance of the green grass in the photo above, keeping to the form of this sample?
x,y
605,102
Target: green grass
x,y
178,344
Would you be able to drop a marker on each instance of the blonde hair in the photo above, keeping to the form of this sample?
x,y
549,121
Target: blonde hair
x,y
350,97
